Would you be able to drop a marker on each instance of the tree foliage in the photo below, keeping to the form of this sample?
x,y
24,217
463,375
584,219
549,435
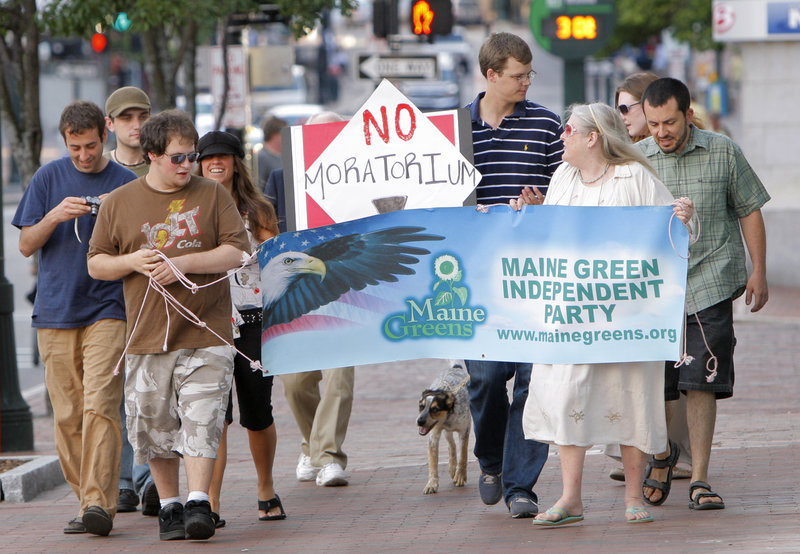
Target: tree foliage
x,y
170,32
19,84
638,20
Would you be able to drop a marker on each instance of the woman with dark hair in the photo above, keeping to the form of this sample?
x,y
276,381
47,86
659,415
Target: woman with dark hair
x,y
221,159
601,167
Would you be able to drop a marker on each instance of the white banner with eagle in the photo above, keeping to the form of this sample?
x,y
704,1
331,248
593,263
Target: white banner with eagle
x,y
550,284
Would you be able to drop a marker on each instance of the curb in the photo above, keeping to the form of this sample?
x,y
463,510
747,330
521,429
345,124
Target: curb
x,y
24,482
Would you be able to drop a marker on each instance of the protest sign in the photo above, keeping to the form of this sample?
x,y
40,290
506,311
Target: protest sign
x,y
550,284
388,156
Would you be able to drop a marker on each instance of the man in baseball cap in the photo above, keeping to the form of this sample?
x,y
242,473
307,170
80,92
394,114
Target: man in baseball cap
x,y
126,110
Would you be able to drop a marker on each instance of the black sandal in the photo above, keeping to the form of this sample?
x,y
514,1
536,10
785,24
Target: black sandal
x,y
663,486
267,505
695,498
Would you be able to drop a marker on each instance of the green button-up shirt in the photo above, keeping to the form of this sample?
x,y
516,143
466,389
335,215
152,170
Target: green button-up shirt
x,y
712,171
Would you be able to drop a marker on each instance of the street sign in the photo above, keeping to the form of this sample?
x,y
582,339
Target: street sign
x,y
397,66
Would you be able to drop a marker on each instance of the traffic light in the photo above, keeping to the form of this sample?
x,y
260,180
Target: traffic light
x,y
432,17
384,18
99,42
122,22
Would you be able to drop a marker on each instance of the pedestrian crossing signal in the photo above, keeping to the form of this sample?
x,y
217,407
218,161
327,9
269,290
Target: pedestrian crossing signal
x,y
432,17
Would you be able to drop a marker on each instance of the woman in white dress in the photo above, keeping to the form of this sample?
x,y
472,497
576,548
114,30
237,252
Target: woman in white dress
x,y
577,406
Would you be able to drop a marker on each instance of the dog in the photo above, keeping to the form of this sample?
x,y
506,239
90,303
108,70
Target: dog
x,y
444,407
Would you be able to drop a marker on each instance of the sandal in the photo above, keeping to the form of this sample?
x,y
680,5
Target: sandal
x,y
663,486
695,498
267,505
218,523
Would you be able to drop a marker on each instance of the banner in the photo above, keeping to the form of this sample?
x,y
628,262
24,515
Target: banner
x,y
549,284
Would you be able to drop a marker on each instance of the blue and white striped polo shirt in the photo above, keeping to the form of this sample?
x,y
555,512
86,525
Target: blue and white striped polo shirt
x,y
524,150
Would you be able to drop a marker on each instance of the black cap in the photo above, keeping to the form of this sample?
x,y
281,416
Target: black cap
x,y
219,142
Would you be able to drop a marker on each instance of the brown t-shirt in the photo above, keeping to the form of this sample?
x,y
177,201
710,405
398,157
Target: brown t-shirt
x,y
197,218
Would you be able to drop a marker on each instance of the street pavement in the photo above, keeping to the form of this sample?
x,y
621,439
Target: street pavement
x,y
383,509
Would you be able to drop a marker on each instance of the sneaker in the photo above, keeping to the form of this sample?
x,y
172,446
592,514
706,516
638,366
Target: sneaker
x,y
75,527
331,475
490,488
127,501
521,506
170,522
197,520
305,470
97,521
151,504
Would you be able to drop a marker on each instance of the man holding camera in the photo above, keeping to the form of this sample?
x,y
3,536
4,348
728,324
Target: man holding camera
x,y
80,321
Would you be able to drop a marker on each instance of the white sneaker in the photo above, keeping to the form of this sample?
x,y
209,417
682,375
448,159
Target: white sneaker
x,y
331,475
305,471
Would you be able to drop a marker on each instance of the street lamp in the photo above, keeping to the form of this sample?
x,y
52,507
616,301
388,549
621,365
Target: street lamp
x,y
16,424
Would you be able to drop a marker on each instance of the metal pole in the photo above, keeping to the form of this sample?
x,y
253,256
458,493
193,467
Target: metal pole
x,y
574,82
16,423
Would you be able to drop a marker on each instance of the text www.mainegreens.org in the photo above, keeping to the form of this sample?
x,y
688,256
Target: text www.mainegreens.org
x,y
588,337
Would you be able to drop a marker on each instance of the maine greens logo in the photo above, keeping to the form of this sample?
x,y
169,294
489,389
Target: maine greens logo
x,y
445,313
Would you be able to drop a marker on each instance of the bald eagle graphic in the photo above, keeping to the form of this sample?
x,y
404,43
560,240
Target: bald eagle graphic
x,y
296,283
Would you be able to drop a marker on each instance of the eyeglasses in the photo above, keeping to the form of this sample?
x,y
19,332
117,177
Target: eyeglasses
x,y
624,109
522,77
569,130
177,159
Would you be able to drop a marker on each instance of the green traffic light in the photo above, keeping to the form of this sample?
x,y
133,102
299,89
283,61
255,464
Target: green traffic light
x,y
122,22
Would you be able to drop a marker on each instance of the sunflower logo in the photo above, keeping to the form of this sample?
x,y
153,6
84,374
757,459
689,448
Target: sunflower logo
x,y
446,267
448,271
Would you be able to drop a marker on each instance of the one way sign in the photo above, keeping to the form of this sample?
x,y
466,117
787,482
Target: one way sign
x,y
397,66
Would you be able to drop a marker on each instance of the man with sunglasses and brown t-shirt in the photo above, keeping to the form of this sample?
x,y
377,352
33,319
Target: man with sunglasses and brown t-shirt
x,y
179,368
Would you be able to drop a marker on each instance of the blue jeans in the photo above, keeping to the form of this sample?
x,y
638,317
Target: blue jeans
x,y
500,443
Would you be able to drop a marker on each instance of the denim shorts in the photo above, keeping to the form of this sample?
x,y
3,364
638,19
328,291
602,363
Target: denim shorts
x,y
717,326
175,401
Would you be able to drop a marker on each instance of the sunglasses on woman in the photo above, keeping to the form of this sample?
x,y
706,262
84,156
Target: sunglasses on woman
x,y
625,108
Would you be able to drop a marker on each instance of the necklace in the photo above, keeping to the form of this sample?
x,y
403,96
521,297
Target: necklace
x,y
580,176
114,153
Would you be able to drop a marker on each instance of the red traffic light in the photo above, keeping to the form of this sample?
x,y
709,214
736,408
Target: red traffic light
x,y
99,42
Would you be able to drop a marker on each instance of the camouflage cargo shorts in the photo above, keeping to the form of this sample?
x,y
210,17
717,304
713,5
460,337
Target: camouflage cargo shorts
x,y
175,402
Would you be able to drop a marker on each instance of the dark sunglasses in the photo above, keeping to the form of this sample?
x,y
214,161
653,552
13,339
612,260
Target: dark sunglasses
x,y
177,159
624,109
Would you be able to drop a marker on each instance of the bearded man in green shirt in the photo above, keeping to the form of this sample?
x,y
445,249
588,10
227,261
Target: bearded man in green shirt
x,y
711,170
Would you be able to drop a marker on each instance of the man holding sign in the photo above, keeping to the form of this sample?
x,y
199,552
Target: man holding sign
x,y
516,144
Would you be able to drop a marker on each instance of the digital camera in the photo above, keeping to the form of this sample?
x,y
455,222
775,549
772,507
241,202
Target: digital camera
x,y
94,204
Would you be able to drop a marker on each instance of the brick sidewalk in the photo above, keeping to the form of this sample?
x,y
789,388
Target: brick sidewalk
x,y
384,510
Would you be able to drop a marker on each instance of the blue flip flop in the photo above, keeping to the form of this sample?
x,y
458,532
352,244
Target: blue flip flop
x,y
564,518
636,510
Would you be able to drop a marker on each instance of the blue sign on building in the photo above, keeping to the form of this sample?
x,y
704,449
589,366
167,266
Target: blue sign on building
x,y
783,18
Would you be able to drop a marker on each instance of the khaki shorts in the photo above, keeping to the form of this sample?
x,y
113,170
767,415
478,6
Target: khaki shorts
x,y
175,402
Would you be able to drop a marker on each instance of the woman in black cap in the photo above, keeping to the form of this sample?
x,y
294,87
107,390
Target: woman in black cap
x,y
221,158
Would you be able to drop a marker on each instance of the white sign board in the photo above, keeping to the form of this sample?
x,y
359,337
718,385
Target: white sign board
x,y
755,20
236,105
389,156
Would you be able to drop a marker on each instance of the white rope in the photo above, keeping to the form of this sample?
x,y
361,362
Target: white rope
x,y
186,313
